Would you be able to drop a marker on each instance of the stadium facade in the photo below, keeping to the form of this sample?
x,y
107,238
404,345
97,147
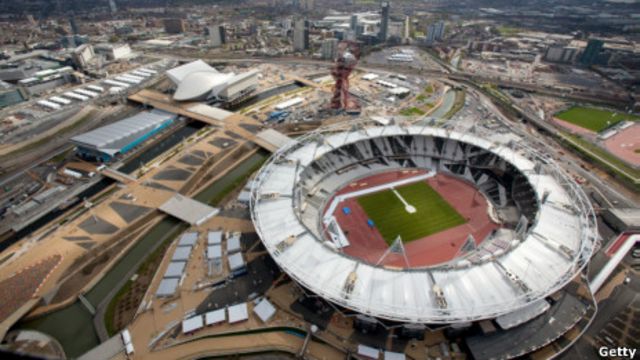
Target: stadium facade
x,y
542,248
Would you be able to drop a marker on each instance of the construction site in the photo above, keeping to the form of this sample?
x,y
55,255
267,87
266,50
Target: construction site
x,y
165,231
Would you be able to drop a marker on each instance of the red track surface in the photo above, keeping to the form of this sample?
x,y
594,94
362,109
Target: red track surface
x,y
574,128
368,244
625,143
617,244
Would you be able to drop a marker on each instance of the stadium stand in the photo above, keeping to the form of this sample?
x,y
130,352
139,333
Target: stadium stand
x,y
536,253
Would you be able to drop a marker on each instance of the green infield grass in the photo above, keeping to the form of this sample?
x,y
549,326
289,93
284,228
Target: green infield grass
x,y
433,213
594,119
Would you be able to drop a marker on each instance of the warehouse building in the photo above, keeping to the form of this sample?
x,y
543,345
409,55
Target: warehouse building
x,y
105,143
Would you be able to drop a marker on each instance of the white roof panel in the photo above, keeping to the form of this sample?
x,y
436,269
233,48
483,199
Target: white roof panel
x,y
175,269
236,261
167,287
188,239
192,324
215,317
368,351
181,253
390,355
237,313
233,243
214,237
214,252
265,310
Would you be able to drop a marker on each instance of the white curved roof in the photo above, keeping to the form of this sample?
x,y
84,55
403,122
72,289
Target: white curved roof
x,y
483,290
199,81
199,84
178,73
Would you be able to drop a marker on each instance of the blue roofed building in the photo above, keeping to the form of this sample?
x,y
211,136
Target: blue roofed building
x,y
108,142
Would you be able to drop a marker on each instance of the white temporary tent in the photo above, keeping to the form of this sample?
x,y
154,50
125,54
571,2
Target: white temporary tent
x,y
265,310
238,313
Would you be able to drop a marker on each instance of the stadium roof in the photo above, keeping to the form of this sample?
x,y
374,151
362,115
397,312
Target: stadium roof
x,y
112,138
556,247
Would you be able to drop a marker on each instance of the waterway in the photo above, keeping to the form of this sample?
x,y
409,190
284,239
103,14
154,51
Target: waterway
x,y
447,103
73,326
165,144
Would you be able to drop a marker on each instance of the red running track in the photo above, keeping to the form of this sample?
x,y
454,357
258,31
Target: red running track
x,y
626,144
368,244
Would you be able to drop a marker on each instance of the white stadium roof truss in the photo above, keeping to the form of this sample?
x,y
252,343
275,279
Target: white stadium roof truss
x,y
557,245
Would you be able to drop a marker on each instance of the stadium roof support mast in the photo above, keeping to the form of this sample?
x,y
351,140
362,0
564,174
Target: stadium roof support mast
x,y
396,248
346,59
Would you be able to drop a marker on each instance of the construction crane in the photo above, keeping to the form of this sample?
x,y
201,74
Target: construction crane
x,y
347,56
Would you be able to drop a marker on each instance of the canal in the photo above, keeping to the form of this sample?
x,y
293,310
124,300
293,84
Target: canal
x,y
176,137
73,326
446,105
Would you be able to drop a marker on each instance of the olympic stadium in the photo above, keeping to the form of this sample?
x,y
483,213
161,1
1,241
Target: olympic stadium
x,y
422,225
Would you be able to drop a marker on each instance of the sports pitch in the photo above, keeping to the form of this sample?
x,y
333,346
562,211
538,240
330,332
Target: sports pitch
x,y
388,212
593,119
